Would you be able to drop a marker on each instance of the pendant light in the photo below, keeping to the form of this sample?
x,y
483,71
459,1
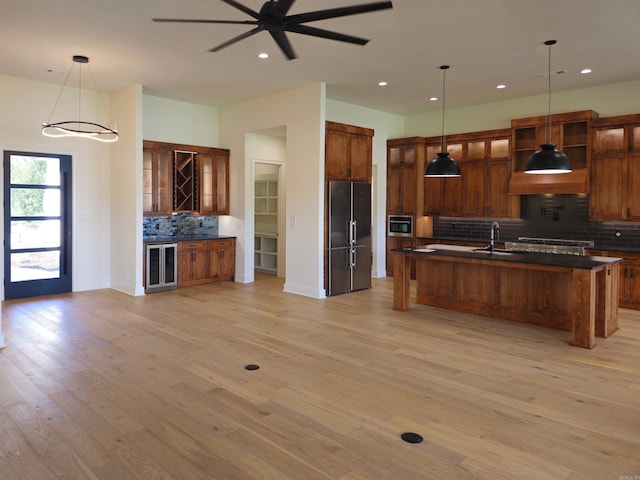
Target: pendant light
x,y
443,165
79,128
548,159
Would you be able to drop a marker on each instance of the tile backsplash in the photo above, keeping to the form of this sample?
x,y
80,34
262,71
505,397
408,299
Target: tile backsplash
x,y
179,224
545,216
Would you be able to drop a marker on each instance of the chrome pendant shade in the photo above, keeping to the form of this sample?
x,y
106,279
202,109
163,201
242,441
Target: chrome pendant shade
x,y
548,159
79,128
443,165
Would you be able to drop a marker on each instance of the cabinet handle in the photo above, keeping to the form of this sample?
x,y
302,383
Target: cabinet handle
x,y
628,212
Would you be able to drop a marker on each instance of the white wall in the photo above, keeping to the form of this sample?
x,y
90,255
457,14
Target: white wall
x,y
126,193
167,120
607,100
25,105
386,126
301,111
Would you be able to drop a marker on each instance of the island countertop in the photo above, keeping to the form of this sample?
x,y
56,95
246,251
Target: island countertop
x,y
566,292
531,258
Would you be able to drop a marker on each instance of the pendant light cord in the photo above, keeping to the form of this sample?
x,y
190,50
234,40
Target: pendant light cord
x,y
549,43
444,75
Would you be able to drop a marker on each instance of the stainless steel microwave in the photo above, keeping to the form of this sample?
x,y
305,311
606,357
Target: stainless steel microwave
x,y
400,226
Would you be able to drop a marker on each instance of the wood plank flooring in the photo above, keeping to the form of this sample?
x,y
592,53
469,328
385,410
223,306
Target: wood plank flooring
x,y
103,386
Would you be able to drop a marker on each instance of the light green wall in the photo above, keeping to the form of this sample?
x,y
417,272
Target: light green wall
x,y
167,120
607,100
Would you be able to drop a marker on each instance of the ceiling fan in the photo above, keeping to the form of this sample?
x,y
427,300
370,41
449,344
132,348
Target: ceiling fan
x,y
274,19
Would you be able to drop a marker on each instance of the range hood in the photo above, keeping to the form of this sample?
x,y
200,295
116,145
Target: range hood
x,y
573,182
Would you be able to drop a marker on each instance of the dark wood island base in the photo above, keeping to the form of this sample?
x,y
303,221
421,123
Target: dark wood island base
x,y
576,294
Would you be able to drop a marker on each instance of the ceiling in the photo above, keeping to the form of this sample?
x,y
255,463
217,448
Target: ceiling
x,y
486,42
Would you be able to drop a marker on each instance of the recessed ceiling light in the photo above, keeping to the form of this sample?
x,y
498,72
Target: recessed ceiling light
x,y
433,99
585,70
501,86
382,84
263,55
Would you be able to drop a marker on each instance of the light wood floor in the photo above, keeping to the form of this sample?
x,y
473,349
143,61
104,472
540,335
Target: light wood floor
x,y
101,385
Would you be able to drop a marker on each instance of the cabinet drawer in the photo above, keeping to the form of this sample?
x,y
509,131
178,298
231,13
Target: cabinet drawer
x,y
193,246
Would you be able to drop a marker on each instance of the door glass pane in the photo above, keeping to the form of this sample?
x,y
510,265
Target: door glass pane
x,y
35,234
35,170
29,202
35,265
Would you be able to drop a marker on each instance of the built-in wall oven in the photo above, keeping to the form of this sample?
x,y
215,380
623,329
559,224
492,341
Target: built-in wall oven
x,y
400,226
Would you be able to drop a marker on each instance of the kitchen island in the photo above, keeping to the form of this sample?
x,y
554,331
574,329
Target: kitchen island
x,y
566,292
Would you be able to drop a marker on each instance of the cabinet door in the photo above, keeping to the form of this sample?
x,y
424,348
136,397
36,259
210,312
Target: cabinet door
x,y
222,259
633,187
632,287
360,157
453,197
394,187
499,202
408,191
157,178
474,186
433,196
214,184
608,187
337,155
193,262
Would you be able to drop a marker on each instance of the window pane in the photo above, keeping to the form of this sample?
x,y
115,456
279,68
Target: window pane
x,y
35,266
35,234
35,170
30,202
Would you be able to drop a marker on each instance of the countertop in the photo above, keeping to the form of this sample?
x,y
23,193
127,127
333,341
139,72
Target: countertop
x,y
485,240
181,238
547,259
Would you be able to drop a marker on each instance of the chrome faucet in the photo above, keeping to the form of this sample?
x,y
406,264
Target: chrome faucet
x,y
495,235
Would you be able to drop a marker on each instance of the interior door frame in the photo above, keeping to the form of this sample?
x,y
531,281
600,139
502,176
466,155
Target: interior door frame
x,y
281,240
63,283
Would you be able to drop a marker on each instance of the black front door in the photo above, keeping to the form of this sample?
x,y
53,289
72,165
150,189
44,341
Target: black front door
x,y
37,224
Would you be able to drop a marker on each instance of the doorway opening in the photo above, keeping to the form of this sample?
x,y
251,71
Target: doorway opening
x,y
37,224
268,235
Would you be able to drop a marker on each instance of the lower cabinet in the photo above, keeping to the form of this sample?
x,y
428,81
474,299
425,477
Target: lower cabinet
x,y
206,261
629,286
399,242
222,259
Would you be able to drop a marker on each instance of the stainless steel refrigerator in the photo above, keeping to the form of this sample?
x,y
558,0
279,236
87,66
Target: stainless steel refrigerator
x,y
349,237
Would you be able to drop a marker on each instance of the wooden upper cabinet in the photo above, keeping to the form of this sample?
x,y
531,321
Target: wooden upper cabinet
x,y
571,133
157,178
185,178
348,152
615,169
482,189
405,162
214,183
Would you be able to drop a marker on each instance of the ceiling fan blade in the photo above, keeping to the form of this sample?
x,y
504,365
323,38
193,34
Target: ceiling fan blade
x,y
236,39
242,8
193,20
283,42
318,32
338,12
282,7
